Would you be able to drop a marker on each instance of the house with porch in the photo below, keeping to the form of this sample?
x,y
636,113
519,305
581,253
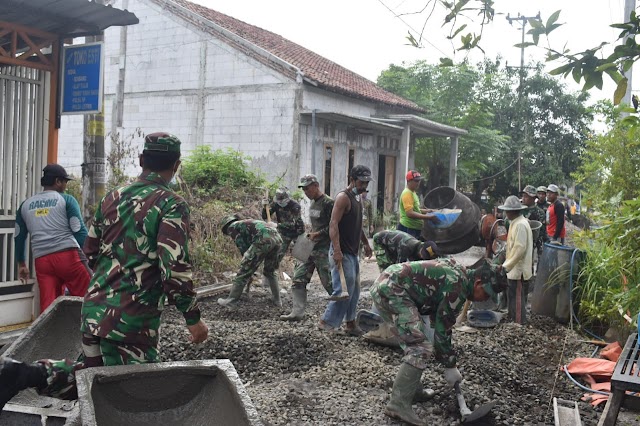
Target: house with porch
x,y
214,80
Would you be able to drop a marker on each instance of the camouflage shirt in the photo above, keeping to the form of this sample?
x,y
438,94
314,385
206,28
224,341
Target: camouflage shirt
x,y
435,286
137,247
249,231
289,218
392,247
320,215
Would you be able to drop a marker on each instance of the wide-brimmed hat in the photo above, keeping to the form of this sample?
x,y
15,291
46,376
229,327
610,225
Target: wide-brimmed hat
x,y
512,203
529,190
553,188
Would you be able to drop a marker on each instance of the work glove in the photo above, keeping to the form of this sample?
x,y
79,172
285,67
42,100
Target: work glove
x,y
265,202
452,376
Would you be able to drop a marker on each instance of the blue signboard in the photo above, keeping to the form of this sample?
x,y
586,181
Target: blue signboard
x,y
82,78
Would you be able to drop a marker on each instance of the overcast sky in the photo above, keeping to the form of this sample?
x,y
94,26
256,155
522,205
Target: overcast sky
x,y
365,36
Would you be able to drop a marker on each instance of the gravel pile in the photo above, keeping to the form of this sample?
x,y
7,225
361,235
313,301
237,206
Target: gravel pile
x,y
296,374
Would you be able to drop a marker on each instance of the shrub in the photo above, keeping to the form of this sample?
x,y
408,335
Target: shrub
x,y
207,171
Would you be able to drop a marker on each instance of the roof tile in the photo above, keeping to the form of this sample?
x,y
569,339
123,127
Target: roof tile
x,y
325,73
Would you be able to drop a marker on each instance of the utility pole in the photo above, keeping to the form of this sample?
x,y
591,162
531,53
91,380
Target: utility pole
x,y
93,166
629,6
523,19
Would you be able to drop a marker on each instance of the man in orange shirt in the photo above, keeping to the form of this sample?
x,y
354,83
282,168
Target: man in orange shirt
x,y
555,216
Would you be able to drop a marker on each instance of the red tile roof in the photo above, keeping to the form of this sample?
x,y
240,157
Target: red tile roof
x,y
321,71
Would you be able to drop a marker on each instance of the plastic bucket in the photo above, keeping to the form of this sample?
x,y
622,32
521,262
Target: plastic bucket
x,y
552,285
460,233
535,228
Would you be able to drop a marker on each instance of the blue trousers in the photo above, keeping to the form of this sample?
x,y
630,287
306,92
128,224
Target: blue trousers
x,y
343,310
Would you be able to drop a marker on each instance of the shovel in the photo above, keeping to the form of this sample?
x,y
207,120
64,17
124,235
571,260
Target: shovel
x,y
469,416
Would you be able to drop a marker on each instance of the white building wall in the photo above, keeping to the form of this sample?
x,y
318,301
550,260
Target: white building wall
x,y
181,80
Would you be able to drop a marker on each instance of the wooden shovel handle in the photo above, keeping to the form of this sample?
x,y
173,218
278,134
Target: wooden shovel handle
x,y
343,280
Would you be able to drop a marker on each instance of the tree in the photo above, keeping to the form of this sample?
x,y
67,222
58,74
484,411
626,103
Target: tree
x,y
546,125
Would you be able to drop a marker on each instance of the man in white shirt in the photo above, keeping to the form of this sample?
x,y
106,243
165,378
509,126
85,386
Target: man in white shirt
x,y
518,263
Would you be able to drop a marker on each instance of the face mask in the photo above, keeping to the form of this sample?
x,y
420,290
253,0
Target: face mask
x,y
355,191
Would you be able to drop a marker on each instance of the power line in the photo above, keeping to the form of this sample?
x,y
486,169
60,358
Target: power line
x,y
497,174
412,29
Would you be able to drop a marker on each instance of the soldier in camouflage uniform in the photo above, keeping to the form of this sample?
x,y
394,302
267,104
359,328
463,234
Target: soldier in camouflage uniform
x,y
137,247
257,241
288,217
391,247
440,288
534,212
320,214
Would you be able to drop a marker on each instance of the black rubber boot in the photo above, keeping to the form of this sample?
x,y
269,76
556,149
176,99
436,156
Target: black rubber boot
x,y
16,376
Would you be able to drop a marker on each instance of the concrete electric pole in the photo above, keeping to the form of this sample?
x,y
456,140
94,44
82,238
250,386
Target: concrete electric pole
x,y
94,176
523,19
629,6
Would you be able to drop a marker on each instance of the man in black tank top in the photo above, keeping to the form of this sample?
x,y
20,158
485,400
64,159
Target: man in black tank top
x,y
346,233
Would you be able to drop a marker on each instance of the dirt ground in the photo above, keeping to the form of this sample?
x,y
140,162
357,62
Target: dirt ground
x,y
296,374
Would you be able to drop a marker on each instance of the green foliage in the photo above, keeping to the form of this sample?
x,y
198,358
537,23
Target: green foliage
x,y
608,281
123,154
610,166
546,125
207,171
74,188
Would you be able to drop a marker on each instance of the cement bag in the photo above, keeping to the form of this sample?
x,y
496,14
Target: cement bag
x,y
302,248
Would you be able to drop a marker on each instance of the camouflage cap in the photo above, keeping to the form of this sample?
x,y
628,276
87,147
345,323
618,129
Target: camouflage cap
x,y
529,190
541,189
226,221
162,142
429,250
307,180
282,197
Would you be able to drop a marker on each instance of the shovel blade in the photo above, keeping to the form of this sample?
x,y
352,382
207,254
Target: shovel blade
x,y
478,413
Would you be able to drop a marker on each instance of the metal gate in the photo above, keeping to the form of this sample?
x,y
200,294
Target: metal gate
x,y
23,100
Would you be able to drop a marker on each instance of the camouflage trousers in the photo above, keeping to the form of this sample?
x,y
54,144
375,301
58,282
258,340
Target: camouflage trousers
x,y
97,352
318,260
284,247
397,309
266,250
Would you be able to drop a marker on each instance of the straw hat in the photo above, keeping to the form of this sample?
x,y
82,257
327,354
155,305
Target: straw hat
x,y
512,203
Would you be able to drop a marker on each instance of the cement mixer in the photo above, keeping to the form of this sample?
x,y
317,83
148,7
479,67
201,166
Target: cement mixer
x,y
461,223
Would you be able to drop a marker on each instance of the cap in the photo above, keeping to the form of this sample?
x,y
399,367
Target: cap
x,y
161,142
553,188
429,250
226,221
413,175
541,189
493,278
361,173
56,171
529,190
281,197
512,203
307,180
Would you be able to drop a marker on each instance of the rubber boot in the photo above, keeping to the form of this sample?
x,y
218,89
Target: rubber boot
x,y
231,301
404,389
299,296
16,376
275,291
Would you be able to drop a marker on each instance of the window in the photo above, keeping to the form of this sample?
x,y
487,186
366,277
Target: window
x,y
328,159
